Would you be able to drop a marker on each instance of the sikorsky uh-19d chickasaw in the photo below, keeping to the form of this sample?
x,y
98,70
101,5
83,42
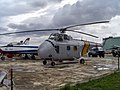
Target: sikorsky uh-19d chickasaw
x,y
60,46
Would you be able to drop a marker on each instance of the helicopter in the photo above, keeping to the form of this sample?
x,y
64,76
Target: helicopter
x,y
60,46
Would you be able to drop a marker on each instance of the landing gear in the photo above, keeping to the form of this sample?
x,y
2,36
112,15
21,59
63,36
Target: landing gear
x,y
2,58
33,57
26,56
52,63
82,61
44,62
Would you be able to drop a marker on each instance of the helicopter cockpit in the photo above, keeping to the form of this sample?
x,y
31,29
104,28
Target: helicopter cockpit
x,y
60,37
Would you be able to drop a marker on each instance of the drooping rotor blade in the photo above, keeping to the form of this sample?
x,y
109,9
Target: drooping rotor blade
x,y
62,30
90,23
84,33
30,31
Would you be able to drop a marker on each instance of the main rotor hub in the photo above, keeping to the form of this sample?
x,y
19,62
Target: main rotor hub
x,y
62,30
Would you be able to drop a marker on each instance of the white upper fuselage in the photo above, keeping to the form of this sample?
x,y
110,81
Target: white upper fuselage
x,y
20,49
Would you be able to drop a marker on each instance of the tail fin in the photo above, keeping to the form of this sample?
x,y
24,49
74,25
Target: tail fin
x,y
27,41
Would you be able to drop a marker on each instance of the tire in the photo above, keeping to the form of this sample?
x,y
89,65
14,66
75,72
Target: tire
x,y
82,61
114,55
52,63
44,62
100,55
2,58
33,57
103,55
89,55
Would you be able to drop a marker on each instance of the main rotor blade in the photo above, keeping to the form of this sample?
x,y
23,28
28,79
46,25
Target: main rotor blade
x,y
86,24
30,31
84,33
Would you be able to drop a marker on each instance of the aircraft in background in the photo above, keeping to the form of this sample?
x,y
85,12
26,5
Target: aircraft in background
x,y
20,48
60,46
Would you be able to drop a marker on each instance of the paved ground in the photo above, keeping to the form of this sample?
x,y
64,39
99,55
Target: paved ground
x,y
32,75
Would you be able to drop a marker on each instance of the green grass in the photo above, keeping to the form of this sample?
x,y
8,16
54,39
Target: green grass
x,y
110,82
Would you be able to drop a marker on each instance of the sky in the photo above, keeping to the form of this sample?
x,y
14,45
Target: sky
x,y
20,15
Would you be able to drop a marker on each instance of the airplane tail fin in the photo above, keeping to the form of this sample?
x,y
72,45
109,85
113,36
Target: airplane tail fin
x,y
26,42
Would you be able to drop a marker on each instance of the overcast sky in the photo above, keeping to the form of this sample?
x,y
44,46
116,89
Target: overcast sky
x,y
20,15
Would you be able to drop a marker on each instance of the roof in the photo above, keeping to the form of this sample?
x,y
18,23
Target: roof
x,y
109,42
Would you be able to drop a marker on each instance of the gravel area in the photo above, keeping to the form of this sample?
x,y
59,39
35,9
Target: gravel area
x,y
33,75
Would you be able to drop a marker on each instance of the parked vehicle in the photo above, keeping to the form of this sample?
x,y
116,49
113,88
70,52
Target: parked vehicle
x,y
96,51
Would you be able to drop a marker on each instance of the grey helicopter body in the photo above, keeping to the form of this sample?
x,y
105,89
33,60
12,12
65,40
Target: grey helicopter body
x,y
60,46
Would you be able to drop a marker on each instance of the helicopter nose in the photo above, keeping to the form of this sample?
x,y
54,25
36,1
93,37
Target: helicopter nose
x,y
45,50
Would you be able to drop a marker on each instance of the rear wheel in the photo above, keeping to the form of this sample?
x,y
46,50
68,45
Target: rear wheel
x,y
82,61
100,55
114,55
89,55
103,55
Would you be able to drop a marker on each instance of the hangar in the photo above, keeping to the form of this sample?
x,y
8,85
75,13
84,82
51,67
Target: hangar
x,y
109,42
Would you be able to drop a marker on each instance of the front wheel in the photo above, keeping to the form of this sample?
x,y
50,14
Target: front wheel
x,y
44,62
52,63
82,61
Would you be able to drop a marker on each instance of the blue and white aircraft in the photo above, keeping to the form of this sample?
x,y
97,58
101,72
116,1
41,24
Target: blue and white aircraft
x,y
21,47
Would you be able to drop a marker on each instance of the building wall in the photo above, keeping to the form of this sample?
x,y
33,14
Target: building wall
x,y
109,42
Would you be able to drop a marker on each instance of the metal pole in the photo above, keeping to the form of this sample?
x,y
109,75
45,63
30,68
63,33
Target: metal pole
x,y
118,61
11,79
118,56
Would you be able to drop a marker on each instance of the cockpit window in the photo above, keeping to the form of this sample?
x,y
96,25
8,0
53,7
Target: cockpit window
x,y
52,36
66,37
56,37
59,37
10,44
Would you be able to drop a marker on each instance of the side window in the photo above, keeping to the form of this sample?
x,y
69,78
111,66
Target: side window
x,y
57,49
60,38
75,48
68,47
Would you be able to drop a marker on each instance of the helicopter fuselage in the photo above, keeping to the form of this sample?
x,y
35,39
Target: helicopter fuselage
x,y
62,49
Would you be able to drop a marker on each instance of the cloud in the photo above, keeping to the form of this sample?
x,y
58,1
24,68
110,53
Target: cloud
x,y
16,7
54,16
86,11
2,29
79,12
